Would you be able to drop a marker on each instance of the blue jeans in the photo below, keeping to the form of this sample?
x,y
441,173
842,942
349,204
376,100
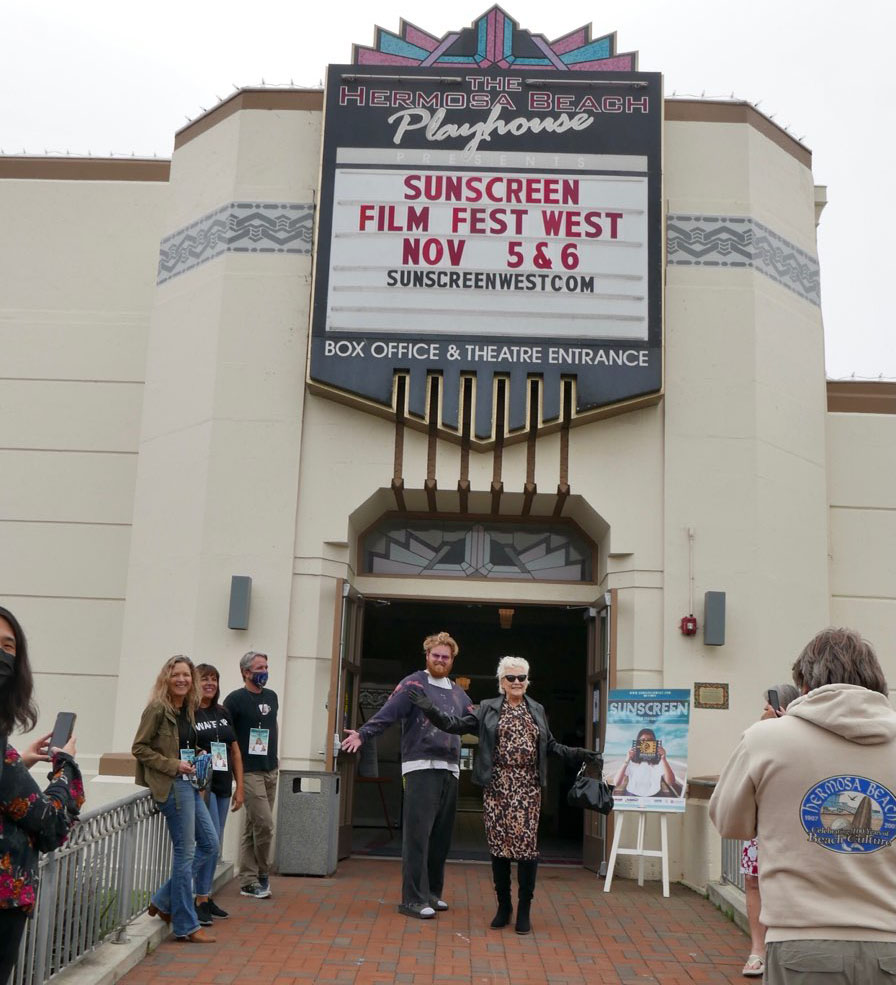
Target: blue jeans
x,y
218,808
195,851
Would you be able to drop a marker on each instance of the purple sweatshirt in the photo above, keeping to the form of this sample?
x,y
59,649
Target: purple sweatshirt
x,y
420,739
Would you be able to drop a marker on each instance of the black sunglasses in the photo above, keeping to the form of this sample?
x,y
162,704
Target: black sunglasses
x,y
516,677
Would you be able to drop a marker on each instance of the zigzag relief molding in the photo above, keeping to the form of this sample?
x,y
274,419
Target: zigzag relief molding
x,y
691,240
238,227
741,241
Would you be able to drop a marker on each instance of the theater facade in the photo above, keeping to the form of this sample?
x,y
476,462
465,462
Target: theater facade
x,y
488,336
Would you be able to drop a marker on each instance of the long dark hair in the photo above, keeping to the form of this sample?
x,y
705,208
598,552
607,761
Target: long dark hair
x,y
17,705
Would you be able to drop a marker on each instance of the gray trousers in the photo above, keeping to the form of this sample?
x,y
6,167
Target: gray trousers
x,y
430,800
830,963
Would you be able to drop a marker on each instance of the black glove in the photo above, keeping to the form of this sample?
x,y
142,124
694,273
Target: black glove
x,y
589,755
417,697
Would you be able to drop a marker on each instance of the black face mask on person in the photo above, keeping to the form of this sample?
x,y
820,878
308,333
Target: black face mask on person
x,y
7,667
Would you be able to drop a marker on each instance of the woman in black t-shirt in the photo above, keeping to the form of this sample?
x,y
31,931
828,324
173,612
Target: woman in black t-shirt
x,y
215,734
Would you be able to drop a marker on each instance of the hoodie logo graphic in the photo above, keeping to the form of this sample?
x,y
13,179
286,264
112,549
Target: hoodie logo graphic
x,y
849,814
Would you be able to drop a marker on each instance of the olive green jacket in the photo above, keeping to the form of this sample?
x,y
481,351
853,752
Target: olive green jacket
x,y
157,750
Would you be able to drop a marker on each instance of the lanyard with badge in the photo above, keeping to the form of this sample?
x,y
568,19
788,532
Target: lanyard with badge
x,y
260,738
188,754
218,750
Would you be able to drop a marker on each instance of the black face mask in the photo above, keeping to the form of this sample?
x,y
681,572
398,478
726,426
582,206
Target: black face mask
x,y
7,667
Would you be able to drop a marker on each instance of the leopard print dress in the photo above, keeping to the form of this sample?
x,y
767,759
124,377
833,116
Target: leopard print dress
x,y
512,801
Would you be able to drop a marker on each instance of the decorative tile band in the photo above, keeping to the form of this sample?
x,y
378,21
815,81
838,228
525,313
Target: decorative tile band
x,y
691,240
238,227
740,241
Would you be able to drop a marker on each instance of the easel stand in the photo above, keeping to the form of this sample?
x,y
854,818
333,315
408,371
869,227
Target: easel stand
x,y
639,848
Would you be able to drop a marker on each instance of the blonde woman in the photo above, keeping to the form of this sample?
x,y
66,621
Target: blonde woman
x,y
511,764
164,747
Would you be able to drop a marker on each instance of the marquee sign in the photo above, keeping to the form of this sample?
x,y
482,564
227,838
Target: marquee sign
x,y
490,205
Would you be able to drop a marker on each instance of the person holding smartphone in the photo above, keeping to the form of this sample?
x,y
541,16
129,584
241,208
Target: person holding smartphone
x,y
31,821
775,702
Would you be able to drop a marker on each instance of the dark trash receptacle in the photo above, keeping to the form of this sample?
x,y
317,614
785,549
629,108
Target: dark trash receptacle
x,y
307,823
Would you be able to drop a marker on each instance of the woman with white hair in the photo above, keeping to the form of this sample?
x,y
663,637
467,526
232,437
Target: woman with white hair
x,y
511,764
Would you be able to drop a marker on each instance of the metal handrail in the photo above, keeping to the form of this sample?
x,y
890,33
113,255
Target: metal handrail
x,y
94,885
732,849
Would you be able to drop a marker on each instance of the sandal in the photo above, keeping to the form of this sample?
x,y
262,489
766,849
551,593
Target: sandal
x,y
755,966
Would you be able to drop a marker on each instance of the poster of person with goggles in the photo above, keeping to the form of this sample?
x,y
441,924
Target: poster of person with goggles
x,y
646,749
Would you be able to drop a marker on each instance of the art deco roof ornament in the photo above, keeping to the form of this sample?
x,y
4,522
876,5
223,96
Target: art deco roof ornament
x,y
495,38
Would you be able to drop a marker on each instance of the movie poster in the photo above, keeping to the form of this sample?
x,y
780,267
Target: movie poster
x,y
646,749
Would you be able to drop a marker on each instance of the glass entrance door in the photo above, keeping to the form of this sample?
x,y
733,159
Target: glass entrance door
x,y
601,666
343,705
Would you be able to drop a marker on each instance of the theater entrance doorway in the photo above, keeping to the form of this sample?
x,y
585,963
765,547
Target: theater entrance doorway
x,y
569,652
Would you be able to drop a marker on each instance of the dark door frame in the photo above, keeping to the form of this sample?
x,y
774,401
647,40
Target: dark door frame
x,y
600,678
348,637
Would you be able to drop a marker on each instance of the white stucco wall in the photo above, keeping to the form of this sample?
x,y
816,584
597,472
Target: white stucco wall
x,y
862,492
745,454
79,261
221,430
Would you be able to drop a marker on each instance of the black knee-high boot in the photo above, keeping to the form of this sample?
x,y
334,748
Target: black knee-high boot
x,y
501,875
525,873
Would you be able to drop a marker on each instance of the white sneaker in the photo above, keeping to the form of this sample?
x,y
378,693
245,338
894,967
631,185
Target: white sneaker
x,y
419,910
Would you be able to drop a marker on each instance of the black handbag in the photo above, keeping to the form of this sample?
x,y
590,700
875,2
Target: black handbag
x,y
591,791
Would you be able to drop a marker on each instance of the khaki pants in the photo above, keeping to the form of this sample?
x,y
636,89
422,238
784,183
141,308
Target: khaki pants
x,y
258,825
830,963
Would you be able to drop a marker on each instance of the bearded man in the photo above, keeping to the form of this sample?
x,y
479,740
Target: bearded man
x,y
430,767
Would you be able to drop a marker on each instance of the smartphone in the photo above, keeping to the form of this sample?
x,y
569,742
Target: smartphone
x,y
62,730
773,701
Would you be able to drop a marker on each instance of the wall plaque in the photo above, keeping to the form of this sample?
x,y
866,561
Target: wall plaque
x,y
711,696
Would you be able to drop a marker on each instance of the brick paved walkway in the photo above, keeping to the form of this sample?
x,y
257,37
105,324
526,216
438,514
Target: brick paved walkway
x,y
347,931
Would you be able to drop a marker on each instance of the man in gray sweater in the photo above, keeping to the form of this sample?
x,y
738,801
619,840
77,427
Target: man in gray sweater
x,y
430,767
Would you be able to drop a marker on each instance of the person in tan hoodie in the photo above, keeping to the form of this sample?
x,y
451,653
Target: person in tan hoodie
x,y
818,788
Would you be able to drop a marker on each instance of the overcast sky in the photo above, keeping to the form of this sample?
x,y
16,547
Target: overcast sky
x,y
104,77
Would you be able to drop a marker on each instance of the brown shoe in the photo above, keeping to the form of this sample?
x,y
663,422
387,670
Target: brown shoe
x,y
197,937
154,911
